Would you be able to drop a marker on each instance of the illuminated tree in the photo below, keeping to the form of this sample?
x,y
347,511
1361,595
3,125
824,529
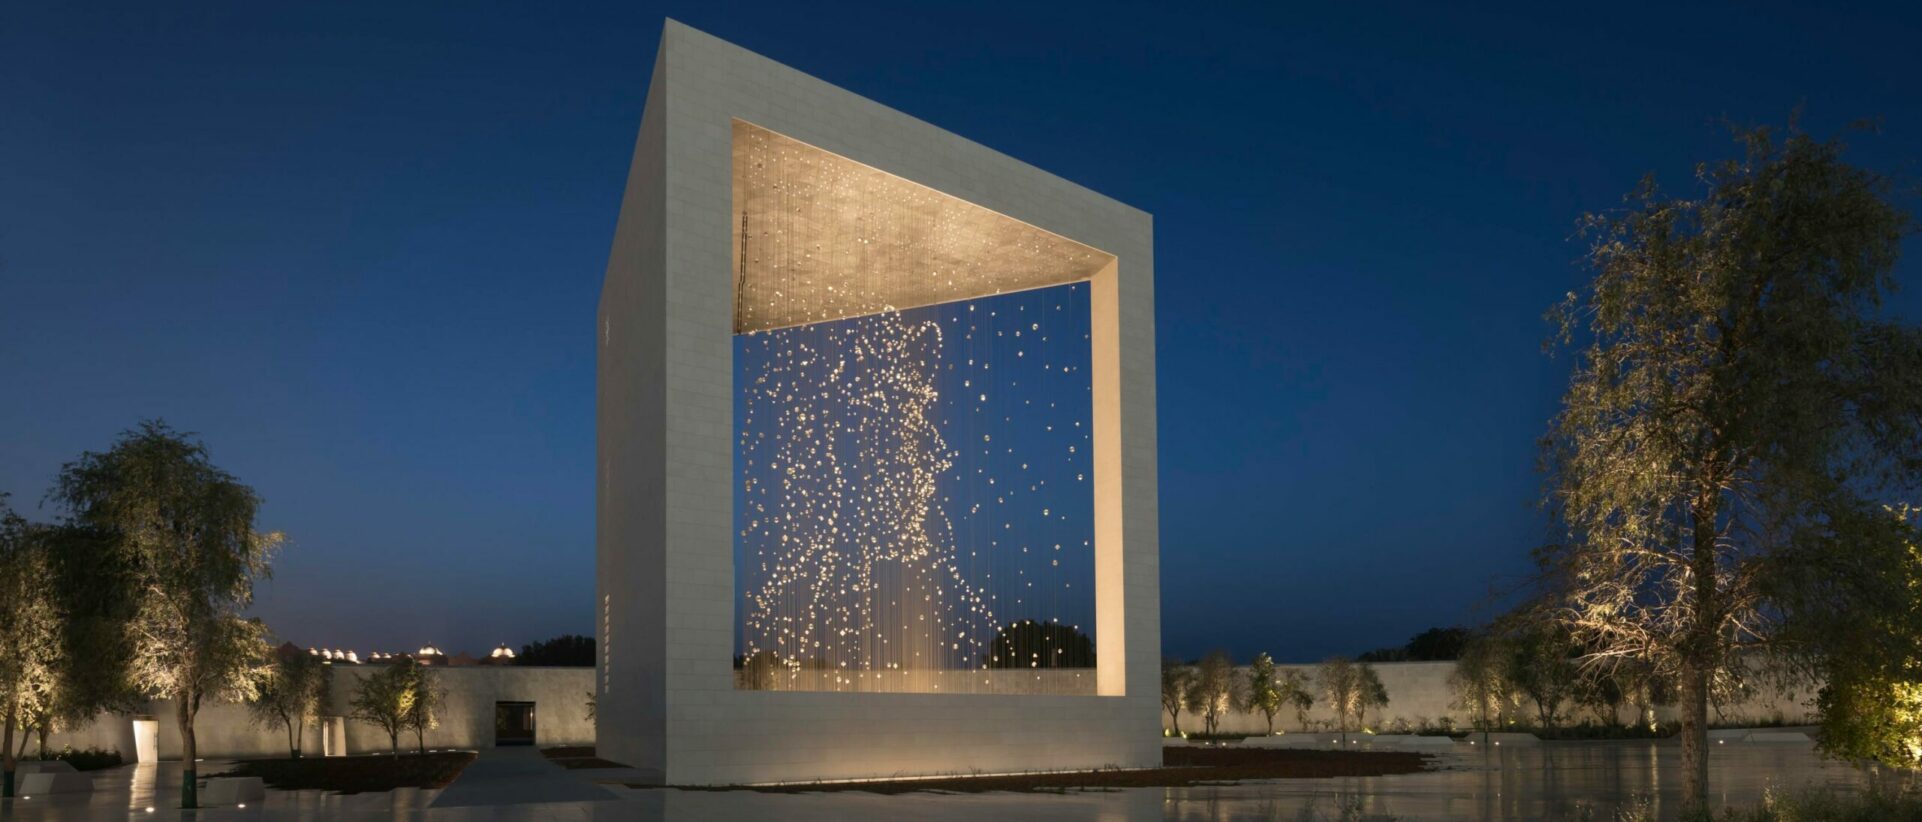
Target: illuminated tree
x,y
291,696
1175,679
1541,665
1342,685
1297,693
1736,401
1603,690
1212,691
29,631
384,698
93,588
1480,681
1861,613
1264,691
423,710
186,530
1373,694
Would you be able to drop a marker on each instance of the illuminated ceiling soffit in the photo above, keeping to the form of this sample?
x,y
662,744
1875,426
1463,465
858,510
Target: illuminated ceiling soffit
x,y
819,237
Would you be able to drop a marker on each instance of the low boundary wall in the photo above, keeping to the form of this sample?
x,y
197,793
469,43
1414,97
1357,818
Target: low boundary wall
x,y
1419,692
467,722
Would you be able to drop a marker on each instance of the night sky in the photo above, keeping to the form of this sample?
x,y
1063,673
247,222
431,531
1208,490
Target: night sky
x,y
358,250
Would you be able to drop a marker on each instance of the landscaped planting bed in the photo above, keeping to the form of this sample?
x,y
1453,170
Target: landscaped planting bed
x,y
356,774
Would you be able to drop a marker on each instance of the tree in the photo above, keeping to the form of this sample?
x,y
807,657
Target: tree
x,y
186,530
1373,694
1438,644
1264,691
29,631
1211,692
1432,645
758,670
564,651
1869,629
92,583
1341,685
291,696
1175,680
1031,644
1297,694
1736,402
1541,665
1603,690
384,698
423,711
1480,681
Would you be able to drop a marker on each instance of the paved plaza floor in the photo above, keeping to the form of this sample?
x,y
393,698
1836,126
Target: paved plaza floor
x,y
1561,780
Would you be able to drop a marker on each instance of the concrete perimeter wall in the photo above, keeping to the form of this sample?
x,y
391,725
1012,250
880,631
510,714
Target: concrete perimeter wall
x,y
1418,693
224,731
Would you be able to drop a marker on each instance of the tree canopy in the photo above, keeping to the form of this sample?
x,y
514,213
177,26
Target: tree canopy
x,y
1212,689
1175,680
1264,690
1737,403
292,695
29,631
1432,645
384,698
564,651
1032,644
185,529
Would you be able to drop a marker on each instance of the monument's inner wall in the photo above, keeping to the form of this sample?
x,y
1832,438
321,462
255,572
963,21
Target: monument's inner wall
x,y
913,505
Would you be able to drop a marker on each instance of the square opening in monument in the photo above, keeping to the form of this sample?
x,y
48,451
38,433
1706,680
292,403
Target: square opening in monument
x,y
915,495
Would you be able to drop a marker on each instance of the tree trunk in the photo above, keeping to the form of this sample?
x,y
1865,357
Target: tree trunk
x,y
420,739
189,798
1698,655
6,753
300,737
1174,719
1694,736
293,742
393,738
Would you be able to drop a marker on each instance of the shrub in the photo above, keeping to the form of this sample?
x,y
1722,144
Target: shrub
x,y
90,759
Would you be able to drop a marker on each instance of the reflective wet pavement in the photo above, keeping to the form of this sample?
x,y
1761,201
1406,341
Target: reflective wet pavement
x,y
1549,781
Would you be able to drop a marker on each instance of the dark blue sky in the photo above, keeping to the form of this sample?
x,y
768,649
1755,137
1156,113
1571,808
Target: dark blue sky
x,y
358,249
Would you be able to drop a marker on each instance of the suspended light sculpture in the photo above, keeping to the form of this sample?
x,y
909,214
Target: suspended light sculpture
x,y
912,501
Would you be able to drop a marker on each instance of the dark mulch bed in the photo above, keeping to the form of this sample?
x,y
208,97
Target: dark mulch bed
x,y
577,758
357,774
1182,767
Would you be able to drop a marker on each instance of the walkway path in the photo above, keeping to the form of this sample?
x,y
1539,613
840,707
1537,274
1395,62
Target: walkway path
x,y
517,776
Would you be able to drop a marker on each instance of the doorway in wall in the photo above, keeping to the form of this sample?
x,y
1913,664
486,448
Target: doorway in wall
x,y
513,723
